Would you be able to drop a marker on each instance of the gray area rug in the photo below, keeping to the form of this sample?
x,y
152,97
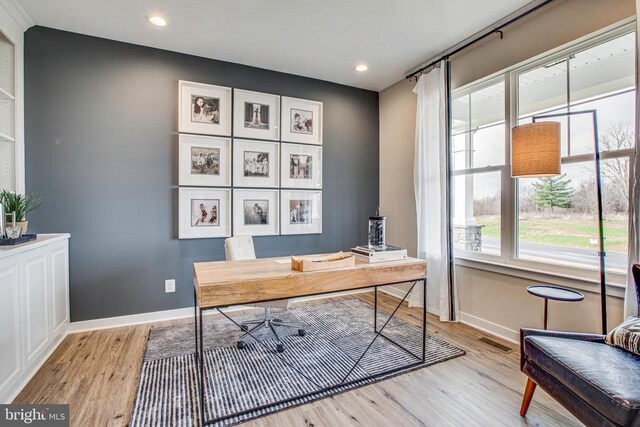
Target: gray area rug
x,y
239,380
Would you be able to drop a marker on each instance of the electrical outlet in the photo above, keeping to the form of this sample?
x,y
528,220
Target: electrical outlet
x,y
169,285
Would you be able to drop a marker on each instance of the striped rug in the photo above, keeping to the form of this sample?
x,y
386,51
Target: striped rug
x,y
239,380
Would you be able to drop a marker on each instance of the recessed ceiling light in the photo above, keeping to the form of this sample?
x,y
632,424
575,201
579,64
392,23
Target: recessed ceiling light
x,y
361,67
156,20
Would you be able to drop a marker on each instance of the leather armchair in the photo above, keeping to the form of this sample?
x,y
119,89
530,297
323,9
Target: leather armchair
x,y
596,382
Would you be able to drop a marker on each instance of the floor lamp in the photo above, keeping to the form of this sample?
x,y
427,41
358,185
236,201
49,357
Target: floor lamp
x,y
535,153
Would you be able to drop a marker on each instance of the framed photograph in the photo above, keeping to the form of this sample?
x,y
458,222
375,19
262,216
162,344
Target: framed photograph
x,y
300,212
301,121
204,109
204,161
300,166
255,163
204,212
256,212
256,115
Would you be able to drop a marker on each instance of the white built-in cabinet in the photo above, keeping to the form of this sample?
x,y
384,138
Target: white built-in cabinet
x,y
34,308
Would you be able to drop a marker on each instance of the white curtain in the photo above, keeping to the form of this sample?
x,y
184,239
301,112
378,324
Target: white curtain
x,y
430,179
630,301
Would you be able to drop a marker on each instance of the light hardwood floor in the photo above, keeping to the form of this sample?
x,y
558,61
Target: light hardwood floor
x,y
96,373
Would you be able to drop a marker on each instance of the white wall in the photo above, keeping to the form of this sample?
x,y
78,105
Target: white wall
x,y
500,304
493,301
397,127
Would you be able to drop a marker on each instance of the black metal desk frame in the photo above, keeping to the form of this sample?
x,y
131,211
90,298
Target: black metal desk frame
x,y
199,354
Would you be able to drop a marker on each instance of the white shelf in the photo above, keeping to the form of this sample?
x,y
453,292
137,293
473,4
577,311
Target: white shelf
x,y
7,138
11,103
4,94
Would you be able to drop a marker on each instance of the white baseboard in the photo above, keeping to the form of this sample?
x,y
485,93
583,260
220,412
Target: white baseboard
x,y
490,327
133,319
394,292
398,293
161,316
468,319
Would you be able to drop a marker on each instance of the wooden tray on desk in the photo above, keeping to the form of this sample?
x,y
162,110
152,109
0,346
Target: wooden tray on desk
x,y
339,260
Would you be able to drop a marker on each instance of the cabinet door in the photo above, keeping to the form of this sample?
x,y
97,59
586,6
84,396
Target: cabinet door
x,y
9,315
59,287
36,288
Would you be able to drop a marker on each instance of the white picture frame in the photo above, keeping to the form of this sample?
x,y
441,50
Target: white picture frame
x,y
256,164
300,166
301,121
213,115
197,222
204,161
295,219
256,115
256,212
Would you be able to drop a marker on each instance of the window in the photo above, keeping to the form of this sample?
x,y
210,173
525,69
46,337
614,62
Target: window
x,y
478,142
550,221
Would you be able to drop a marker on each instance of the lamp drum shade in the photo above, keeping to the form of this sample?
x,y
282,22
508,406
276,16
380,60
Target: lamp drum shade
x,y
535,150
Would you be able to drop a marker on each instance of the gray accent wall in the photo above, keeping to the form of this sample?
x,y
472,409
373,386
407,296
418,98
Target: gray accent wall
x,y
101,147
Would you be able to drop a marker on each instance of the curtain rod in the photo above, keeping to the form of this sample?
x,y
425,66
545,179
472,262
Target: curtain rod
x,y
497,29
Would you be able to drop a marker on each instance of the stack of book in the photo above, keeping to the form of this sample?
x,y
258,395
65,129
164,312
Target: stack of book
x,y
390,253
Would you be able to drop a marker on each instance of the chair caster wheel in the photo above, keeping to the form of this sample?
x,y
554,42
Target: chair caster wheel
x,y
244,328
302,332
241,345
280,348
277,320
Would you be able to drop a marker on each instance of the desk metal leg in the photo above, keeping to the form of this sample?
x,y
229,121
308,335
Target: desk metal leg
x,y
199,357
195,323
422,357
424,319
379,333
546,308
196,356
375,309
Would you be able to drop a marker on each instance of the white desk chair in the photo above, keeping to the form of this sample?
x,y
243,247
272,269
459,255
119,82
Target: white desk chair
x,y
239,248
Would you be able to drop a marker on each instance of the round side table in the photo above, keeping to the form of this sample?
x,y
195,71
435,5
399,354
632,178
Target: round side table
x,y
555,293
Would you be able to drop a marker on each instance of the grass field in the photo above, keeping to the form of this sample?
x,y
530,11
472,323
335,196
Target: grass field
x,y
573,232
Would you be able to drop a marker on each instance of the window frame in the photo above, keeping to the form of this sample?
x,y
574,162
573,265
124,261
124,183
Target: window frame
x,y
507,261
505,167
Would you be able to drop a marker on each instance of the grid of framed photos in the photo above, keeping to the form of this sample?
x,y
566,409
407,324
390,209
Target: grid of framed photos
x,y
249,163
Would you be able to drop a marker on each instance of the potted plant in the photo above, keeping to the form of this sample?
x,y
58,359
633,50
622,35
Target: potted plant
x,y
21,204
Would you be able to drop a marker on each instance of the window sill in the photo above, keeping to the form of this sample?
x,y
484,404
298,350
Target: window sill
x,y
550,277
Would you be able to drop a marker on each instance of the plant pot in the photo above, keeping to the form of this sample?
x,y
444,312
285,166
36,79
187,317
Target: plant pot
x,y
22,224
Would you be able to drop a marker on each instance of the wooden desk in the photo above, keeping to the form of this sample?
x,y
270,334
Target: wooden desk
x,y
225,283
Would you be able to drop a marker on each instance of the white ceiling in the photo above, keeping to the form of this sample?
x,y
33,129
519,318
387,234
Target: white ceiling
x,y
323,39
